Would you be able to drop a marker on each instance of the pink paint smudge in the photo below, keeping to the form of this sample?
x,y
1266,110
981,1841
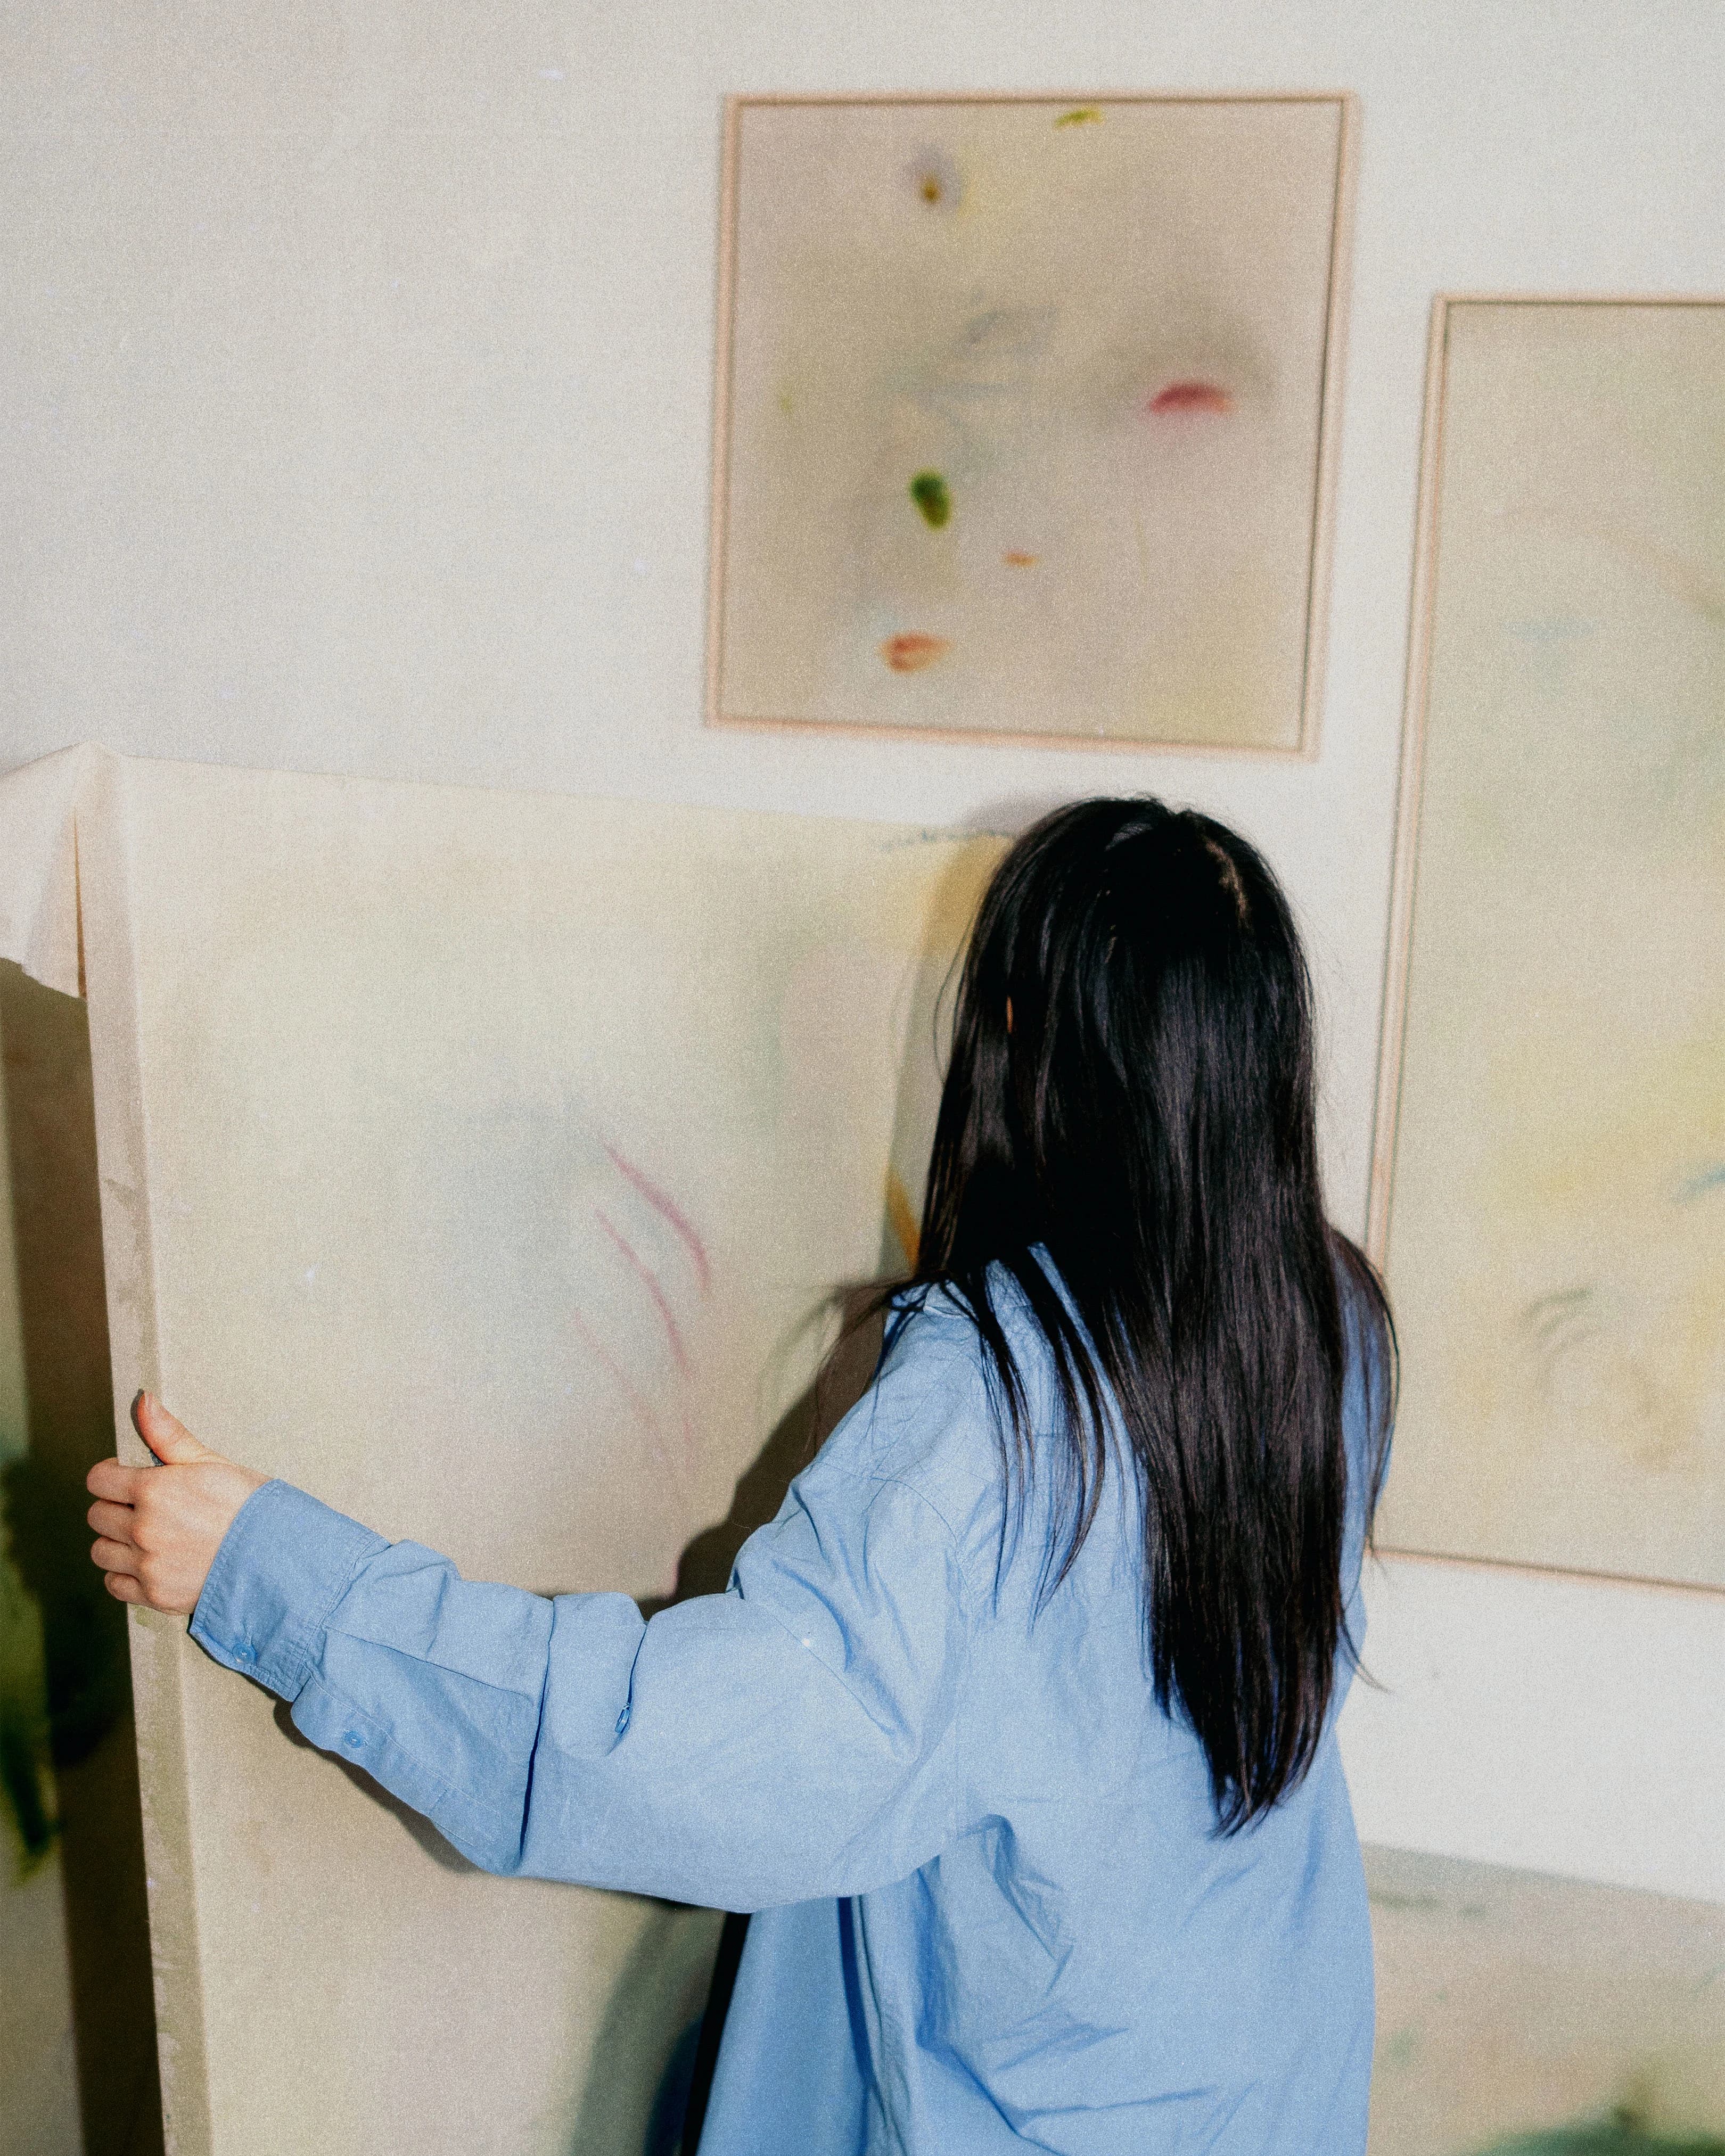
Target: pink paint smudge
x,y
667,1212
1179,397
650,1281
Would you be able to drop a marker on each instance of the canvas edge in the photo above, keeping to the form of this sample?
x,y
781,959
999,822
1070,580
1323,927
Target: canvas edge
x,y
1007,737
1393,1022
1321,554
1054,96
108,963
1657,1585
724,321
1304,747
1580,299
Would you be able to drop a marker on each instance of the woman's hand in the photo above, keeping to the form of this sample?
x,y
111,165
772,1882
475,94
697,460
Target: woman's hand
x,y
158,1528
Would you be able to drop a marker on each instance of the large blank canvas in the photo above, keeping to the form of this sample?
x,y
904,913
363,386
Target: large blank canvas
x,y
477,1162
1537,2016
1551,1177
1026,408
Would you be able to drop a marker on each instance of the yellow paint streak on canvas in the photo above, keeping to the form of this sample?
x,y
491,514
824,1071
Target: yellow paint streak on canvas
x,y
901,1220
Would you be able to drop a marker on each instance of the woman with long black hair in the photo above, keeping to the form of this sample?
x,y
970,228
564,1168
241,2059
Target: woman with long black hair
x,y
1017,1723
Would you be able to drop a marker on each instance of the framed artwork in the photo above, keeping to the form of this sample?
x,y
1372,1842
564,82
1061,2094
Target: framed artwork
x,y
1549,1178
1524,2015
1026,415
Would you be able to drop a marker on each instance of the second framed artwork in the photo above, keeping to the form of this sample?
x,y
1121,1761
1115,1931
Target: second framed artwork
x,y
1548,1180
1026,415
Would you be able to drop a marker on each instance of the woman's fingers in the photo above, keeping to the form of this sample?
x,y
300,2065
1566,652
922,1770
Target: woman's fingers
x,y
158,1528
114,1479
114,1521
166,1436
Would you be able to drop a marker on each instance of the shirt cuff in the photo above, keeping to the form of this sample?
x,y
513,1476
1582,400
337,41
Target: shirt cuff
x,y
282,1567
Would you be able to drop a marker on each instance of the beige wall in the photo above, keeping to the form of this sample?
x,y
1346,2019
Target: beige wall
x,y
361,414
358,419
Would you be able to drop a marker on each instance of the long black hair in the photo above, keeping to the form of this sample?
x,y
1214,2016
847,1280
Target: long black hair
x,y
1131,1089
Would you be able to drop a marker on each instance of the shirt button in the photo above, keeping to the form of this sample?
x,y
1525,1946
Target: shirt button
x,y
353,1738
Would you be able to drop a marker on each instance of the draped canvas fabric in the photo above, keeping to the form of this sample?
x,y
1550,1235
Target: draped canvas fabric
x,y
479,1163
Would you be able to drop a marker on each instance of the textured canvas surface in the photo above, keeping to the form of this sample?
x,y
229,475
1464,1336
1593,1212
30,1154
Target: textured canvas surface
x,y
1558,1211
1541,2016
479,1163
1025,412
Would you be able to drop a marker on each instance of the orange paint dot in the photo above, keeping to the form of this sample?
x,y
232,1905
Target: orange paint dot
x,y
1190,397
1015,558
911,652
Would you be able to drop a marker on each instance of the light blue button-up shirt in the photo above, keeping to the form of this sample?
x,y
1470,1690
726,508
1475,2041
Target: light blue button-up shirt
x,y
995,1911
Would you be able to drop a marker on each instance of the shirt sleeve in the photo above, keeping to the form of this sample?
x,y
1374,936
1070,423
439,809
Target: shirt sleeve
x,y
794,1736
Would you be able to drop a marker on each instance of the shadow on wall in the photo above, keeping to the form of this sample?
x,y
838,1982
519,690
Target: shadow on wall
x,y
68,1787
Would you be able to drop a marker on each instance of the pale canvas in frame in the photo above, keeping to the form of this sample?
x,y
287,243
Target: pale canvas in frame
x,y
1026,414
1523,2016
1549,1190
479,1163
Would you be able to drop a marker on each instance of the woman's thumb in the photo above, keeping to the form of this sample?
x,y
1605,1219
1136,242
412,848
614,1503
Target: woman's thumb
x,y
166,1436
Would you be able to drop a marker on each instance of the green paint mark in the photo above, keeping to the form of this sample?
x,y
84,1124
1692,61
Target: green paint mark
x,y
24,1723
1082,115
1621,2136
1383,1898
933,497
1401,2050
63,1673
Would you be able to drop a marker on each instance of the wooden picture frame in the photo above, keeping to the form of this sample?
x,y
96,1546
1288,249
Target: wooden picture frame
x,y
1300,727
1425,612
